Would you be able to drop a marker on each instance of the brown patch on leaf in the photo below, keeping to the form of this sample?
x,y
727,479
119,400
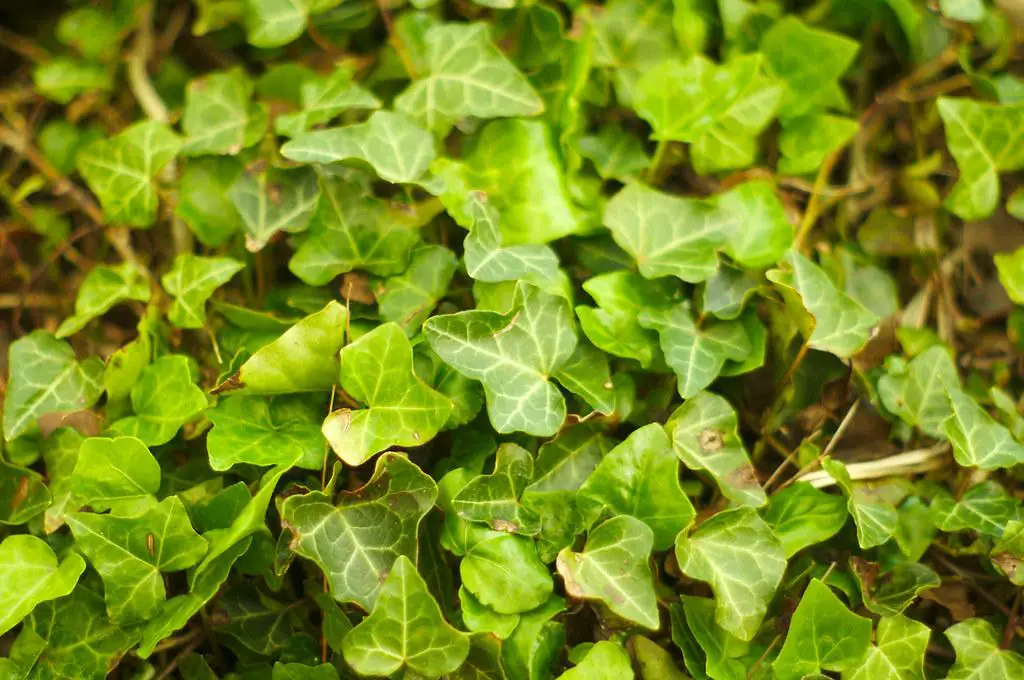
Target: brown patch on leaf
x,y
1009,564
506,526
232,383
355,286
85,421
867,572
711,439
953,596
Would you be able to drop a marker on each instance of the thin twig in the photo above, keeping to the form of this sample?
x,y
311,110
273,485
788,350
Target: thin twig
x,y
906,463
166,672
840,431
138,74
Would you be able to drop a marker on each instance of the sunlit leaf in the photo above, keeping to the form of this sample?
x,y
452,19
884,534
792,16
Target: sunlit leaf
x,y
737,553
30,573
889,591
505,573
103,288
409,298
979,655
616,154
114,472
1008,552
23,494
605,661
806,141
323,99
876,520
218,117
494,498
978,440
164,399
537,641
801,516
918,393
203,201
191,282
64,78
985,508
272,200
265,431
898,652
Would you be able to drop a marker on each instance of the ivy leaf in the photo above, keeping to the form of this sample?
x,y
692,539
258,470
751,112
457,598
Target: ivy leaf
x,y
303,359
823,636
1010,268
888,592
616,153
30,574
80,641
516,165
613,326
356,541
810,61
377,370
613,568
631,38
351,229
605,661
986,508
494,498
806,141
479,618
23,494
737,553
1008,552
697,355
536,642
876,520
513,355
488,260
191,282
120,171
984,139
164,399
405,630
409,298
840,324
301,671
802,516
709,650
103,288
218,118
397,149
265,431
898,652
639,477
978,440
203,201
918,393
654,660
505,574
587,375
131,552
117,472
273,23
323,99
64,78
466,75
766,232
272,200
978,653
704,434
46,378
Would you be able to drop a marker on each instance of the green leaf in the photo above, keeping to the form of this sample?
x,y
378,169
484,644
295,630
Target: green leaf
x,y
513,355
272,200
639,477
697,355
191,282
488,260
898,652
272,23
802,516
218,117
985,508
1008,552
970,11
203,203
605,661
45,378
120,171
984,140
103,288
405,630
632,37
810,61
324,98
654,661
876,520
694,622
978,440
356,541
616,153
265,431
117,472
80,641
613,568
516,165
466,75
764,233
397,149
978,653
704,434
164,399
890,591
91,31
1010,267
505,574
30,574
301,671
587,375
409,298
536,642
737,553
918,393
60,141
64,78
131,552
479,618
303,359
23,495
494,498
806,141
823,636
353,230
613,325
840,324
377,370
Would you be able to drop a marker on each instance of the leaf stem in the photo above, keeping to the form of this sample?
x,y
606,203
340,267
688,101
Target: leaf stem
x,y
654,170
